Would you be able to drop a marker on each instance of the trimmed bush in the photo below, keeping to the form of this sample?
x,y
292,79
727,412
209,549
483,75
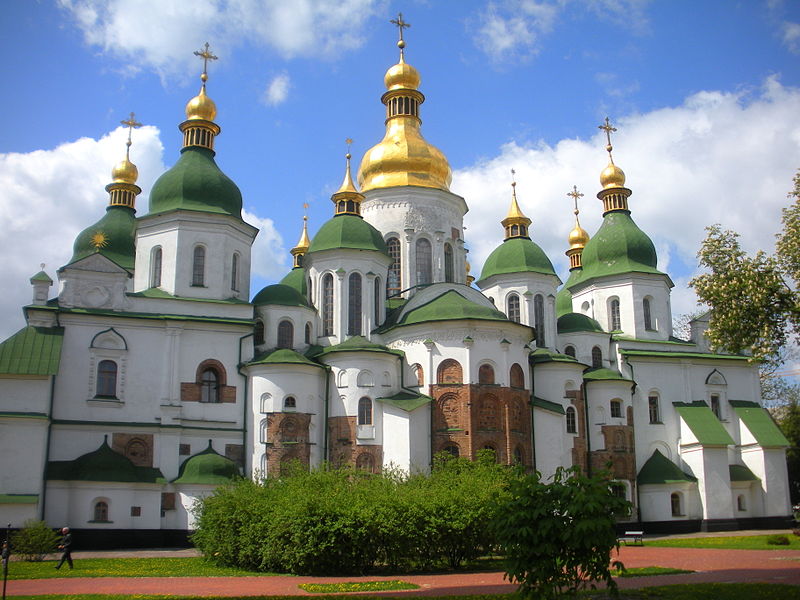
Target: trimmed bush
x,y
34,540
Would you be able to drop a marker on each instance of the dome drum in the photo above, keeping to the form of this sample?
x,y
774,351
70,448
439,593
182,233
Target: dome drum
x,y
199,132
614,198
123,194
403,103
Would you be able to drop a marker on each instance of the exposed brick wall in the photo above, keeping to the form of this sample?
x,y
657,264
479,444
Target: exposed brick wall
x,y
137,447
579,443
191,391
343,450
287,440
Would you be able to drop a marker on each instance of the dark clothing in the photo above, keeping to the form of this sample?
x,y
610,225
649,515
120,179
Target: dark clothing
x,y
66,548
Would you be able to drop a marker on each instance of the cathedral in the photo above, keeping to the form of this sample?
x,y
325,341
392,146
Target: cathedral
x,y
152,373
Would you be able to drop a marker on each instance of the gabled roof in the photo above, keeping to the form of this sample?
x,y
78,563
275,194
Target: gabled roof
x,y
760,424
548,405
704,424
32,351
283,356
102,464
659,470
407,400
543,355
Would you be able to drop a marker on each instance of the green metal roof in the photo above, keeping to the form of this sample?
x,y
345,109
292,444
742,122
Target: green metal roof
x,y
704,424
118,228
678,354
140,315
760,424
604,374
19,498
32,351
357,343
576,322
659,470
102,464
41,276
516,255
543,355
296,278
283,356
208,468
450,306
347,231
196,183
158,293
741,473
564,296
407,400
281,295
548,405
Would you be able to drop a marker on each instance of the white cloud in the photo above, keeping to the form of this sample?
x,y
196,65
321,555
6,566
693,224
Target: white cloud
x,y
791,36
717,158
50,196
277,90
269,257
161,33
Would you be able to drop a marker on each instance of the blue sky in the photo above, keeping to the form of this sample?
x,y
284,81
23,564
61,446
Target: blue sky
x,y
705,95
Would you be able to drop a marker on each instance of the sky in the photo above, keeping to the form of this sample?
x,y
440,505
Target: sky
x,y
705,97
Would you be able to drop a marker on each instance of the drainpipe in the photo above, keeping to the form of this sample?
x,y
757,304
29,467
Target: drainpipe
x,y
245,402
588,433
635,483
532,369
325,453
47,439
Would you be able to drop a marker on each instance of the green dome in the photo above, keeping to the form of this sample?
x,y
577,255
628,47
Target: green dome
x,y
618,247
113,236
517,255
296,278
207,467
574,322
347,231
280,294
196,183
564,296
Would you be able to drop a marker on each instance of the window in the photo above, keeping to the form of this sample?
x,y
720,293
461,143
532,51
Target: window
x,y
740,503
648,320
516,376
290,402
449,372
365,462
652,405
354,305
155,271
572,425
512,307
452,450
101,511
519,456
327,305
199,266
209,386
448,263
365,411
715,406
570,351
393,277
285,334
419,373
675,503
258,333
307,337
613,315
597,357
235,273
106,379
616,409
136,511
486,374
376,293
538,320
424,262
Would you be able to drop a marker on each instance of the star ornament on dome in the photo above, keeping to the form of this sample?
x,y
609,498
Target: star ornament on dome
x,y
99,240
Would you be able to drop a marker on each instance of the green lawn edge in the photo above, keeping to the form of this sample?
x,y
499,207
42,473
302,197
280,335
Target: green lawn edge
x,y
736,542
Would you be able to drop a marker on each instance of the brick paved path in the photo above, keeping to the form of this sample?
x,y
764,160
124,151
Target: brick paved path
x,y
773,566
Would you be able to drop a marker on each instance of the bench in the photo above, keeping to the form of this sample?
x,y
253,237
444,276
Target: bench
x,y
634,537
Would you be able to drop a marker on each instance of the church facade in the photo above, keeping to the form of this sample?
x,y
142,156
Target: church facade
x,y
154,373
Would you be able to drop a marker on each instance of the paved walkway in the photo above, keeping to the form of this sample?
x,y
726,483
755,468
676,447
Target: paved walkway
x,y
727,566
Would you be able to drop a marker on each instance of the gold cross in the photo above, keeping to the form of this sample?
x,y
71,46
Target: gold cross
x,y
513,180
206,55
348,141
400,24
132,124
575,194
305,211
608,129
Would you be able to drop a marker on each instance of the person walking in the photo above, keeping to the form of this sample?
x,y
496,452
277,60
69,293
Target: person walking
x,y
66,548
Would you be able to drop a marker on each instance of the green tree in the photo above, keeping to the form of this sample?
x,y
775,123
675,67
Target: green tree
x,y
558,536
788,418
34,540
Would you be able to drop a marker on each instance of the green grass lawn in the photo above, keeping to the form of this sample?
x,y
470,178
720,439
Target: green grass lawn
x,y
357,586
739,542
647,571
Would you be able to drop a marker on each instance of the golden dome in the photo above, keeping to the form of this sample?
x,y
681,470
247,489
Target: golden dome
x,y
402,76
304,242
201,107
578,237
124,172
612,177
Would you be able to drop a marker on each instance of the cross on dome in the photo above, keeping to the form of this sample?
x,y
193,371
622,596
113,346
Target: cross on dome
x,y
575,194
206,55
132,124
400,26
608,129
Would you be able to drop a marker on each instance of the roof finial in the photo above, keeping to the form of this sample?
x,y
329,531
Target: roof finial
x,y
575,194
513,183
608,129
206,55
349,142
400,26
132,124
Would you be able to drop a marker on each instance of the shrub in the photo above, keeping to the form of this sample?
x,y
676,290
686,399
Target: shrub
x,y
34,540
778,540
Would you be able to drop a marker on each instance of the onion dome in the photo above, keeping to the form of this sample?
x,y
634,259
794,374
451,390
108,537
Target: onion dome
x,y
302,245
578,237
207,468
201,106
280,294
124,172
403,157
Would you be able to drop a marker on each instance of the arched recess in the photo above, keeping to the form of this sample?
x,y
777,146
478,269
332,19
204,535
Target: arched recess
x,y
100,510
365,379
517,376
486,374
488,413
449,371
419,373
449,409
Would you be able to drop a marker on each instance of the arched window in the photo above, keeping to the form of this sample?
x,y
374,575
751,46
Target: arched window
x,y
570,351
519,456
418,373
199,266
101,511
486,374
448,263
449,372
327,305
235,273
209,386
285,334
716,406
290,402
452,450
653,408
365,411
512,307
354,304
393,277
377,299
517,376
597,357
258,333
289,430
613,315
675,503
137,452
424,262
155,271
616,409
648,320
538,319
448,414
307,337
106,378
365,462
572,423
